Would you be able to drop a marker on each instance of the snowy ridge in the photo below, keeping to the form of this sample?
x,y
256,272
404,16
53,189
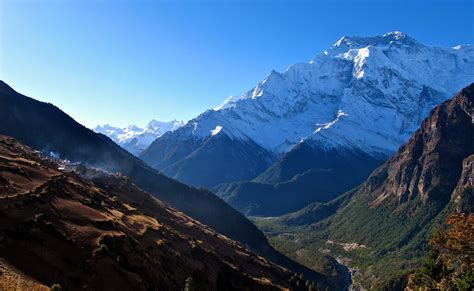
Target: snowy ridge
x,y
365,93
136,139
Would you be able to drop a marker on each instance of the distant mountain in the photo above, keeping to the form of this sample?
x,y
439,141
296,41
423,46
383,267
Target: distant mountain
x,y
111,235
136,139
334,119
200,162
45,127
395,211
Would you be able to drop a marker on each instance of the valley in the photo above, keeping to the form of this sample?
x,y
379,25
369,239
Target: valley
x,y
381,229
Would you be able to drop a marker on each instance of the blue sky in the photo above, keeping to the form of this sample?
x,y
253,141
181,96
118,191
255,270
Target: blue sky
x,y
126,62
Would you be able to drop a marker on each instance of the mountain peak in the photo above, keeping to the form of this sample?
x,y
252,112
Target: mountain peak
x,y
173,123
398,35
154,123
355,42
135,138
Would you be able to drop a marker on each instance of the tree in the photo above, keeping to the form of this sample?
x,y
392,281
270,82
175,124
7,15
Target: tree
x,y
450,265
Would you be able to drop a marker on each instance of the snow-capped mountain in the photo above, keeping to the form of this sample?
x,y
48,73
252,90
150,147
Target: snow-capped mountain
x,y
364,94
380,79
135,139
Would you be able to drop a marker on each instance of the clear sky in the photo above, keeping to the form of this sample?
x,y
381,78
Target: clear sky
x,y
126,62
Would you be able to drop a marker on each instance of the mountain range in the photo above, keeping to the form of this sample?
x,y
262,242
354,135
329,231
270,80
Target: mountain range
x,y
136,139
332,175
332,120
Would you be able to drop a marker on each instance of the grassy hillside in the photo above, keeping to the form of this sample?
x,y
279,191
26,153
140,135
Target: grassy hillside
x,y
81,228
